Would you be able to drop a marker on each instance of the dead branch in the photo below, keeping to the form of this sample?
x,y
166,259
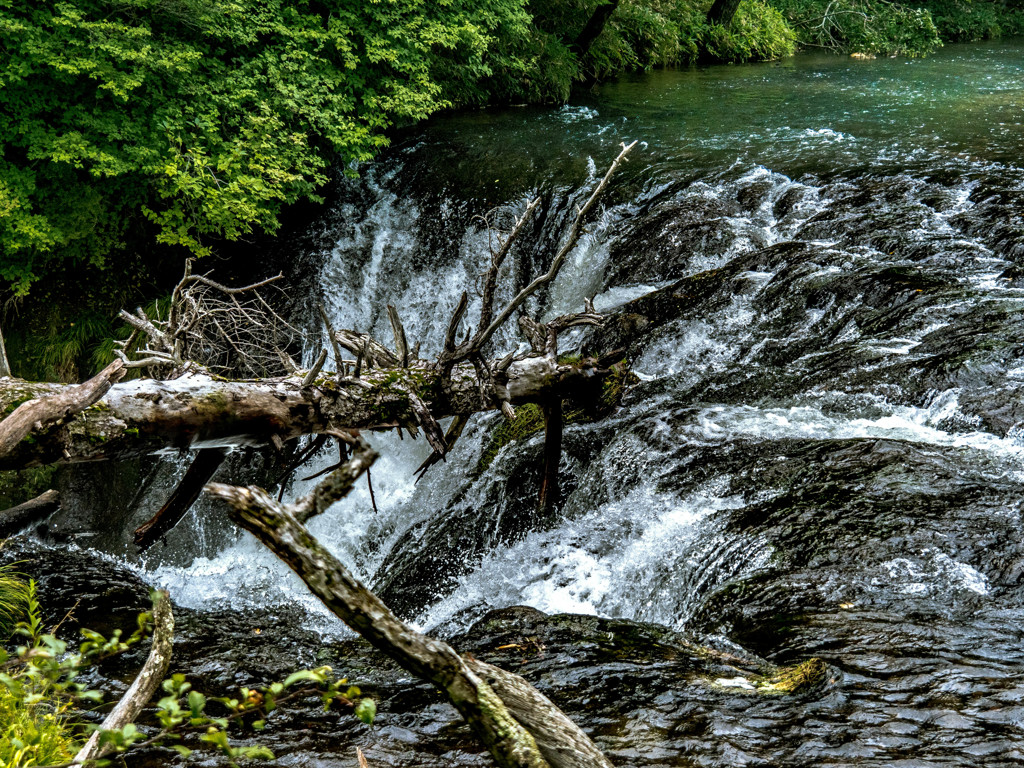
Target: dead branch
x,y
280,528
203,467
559,739
256,511
144,685
401,345
229,331
429,424
526,731
310,377
372,354
480,339
339,362
5,366
451,436
338,484
497,259
46,412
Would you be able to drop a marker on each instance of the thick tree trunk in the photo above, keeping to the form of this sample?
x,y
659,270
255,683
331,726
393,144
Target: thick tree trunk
x,y
34,415
199,411
722,12
594,26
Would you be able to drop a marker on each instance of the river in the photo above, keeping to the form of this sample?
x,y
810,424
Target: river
x,y
823,456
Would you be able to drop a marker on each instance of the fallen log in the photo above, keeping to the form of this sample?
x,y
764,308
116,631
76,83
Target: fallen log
x,y
148,416
35,511
39,412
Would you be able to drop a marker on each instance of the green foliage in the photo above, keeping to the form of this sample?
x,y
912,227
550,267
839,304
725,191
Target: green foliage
x,y
19,486
33,718
31,735
864,26
758,32
962,20
39,688
14,596
186,120
130,123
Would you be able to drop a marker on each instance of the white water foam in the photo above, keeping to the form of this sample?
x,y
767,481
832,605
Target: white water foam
x,y
932,572
640,556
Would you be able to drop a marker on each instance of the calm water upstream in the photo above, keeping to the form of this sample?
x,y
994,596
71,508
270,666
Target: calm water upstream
x,y
824,455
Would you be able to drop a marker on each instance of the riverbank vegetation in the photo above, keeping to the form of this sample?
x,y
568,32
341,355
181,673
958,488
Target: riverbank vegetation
x,y
33,722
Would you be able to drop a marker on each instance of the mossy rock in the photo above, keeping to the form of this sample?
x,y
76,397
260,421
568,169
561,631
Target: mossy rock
x,y
799,678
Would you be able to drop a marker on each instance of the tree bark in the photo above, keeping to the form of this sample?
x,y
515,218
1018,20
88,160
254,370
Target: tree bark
x,y
198,411
523,731
145,684
203,467
34,511
559,739
594,26
43,410
252,508
722,12
553,423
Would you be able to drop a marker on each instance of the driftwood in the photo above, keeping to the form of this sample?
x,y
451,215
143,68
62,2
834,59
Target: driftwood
x,y
193,408
559,739
35,511
195,411
553,423
145,684
520,731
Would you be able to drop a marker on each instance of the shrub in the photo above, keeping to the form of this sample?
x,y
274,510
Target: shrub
x,y
963,20
758,32
866,26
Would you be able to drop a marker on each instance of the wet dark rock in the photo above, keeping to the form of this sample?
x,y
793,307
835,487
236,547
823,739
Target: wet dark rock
x,y
639,689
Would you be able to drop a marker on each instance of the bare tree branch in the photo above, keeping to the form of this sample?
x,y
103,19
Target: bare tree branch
x,y
481,338
35,511
497,259
401,345
43,413
145,684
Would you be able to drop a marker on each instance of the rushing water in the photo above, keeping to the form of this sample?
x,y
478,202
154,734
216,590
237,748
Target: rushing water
x,y
825,453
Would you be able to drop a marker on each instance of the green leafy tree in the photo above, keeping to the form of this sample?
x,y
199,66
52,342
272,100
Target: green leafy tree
x,y
186,121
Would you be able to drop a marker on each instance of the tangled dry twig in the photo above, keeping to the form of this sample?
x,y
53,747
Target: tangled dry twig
x,y
234,332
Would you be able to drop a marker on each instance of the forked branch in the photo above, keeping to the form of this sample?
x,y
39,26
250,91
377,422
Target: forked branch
x,y
476,344
553,741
